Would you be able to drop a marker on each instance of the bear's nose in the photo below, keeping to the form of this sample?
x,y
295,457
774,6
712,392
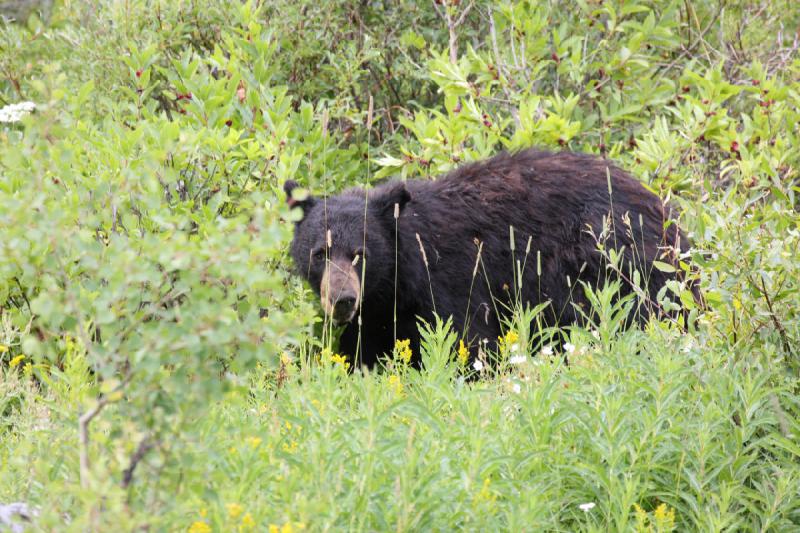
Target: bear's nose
x,y
344,308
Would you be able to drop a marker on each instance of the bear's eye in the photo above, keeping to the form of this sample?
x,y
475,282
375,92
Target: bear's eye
x,y
318,254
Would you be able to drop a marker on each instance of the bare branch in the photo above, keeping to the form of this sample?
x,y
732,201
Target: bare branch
x,y
144,446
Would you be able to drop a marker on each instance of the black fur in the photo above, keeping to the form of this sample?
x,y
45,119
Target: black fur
x,y
551,197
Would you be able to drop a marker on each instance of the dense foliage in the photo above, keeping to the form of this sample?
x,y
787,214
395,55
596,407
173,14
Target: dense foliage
x,y
160,368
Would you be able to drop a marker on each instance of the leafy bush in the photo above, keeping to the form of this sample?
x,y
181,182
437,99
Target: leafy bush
x,y
162,369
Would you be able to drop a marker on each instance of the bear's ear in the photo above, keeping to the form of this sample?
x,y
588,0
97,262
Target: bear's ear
x,y
389,196
296,197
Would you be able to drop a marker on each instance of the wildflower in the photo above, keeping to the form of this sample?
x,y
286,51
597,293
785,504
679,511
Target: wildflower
x,y
254,442
547,350
15,112
485,493
15,361
586,507
402,349
203,512
596,334
478,365
3,348
508,342
641,518
248,522
199,527
569,347
335,358
517,359
396,385
234,510
664,517
463,353
516,388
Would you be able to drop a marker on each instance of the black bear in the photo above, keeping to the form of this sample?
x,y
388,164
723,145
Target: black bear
x,y
519,226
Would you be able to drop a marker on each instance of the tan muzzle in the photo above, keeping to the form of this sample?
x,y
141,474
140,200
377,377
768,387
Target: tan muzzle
x,y
340,290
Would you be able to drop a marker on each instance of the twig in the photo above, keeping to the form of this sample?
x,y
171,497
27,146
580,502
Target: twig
x,y
83,430
452,25
777,323
127,475
83,435
498,65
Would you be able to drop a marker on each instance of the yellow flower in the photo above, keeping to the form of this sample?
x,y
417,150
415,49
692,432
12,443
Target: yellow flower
x,y
485,494
402,349
396,385
199,527
290,447
340,360
234,510
664,517
203,512
17,360
508,342
463,353
254,442
3,348
327,356
247,522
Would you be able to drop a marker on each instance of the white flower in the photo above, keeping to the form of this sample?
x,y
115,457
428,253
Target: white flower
x,y
586,507
569,347
514,348
516,388
15,112
547,350
596,334
517,359
478,365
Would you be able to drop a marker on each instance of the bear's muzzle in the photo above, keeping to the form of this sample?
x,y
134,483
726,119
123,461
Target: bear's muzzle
x,y
340,290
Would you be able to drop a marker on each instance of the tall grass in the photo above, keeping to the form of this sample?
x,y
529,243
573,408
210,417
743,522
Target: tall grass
x,y
643,428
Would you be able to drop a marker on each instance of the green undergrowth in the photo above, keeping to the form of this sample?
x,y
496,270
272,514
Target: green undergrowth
x,y
655,431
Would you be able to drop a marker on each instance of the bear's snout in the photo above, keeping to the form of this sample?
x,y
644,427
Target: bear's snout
x,y
344,308
340,291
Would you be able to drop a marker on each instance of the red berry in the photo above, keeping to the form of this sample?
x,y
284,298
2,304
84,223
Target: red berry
x,y
139,73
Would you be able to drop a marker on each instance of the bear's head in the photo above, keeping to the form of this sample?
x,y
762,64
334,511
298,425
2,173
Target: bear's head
x,y
345,245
